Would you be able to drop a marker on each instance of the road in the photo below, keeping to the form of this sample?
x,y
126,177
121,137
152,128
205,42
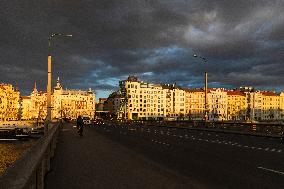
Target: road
x,y
217,160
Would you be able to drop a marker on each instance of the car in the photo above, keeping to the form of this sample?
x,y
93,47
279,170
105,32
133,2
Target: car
x,y
86,120
98,122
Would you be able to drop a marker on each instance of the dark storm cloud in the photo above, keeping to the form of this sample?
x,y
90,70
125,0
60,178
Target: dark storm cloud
x,y
242,41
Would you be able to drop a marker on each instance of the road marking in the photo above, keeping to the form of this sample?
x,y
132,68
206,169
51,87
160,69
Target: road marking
x,y
266,149
259,148
273,150
246,146
274,171
180,136
279,151
253,147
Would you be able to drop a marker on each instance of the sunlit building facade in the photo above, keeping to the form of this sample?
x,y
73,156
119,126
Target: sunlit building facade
x,y
9,102
217,104
265,106
237,105
140,100
65,103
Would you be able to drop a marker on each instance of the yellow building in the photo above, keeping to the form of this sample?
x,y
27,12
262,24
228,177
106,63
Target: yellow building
x,y
194,103
265,106
217,104
237,105
65,103
9,103
281,104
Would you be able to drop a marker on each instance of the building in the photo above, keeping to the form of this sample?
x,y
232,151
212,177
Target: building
x,y
265,106
194,104
9,102
65,103
145,101
113,105
217,104
140,100
237,105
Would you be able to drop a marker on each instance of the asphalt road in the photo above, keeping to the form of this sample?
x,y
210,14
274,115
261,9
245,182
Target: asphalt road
x,y
98,162
217,160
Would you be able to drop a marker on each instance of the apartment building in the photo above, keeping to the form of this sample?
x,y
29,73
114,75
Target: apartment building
x,y
9,102
194,103
237,105
217,104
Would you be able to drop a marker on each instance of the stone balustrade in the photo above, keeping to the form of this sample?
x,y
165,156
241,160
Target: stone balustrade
x,y
29,170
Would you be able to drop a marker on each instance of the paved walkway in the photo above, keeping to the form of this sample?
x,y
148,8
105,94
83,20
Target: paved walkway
x,y
94,161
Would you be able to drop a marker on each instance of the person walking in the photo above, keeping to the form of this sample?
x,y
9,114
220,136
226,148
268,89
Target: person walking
x,y
80,125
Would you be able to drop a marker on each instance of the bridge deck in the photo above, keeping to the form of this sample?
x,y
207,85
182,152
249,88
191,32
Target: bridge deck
x,y
94,161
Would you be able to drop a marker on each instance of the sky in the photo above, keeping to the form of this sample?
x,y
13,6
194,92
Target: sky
x,y
242,41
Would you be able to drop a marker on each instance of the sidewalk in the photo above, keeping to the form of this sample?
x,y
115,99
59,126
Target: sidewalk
x,y
94,161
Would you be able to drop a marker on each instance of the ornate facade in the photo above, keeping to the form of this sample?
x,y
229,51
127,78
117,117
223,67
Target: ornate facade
x,y
65,103
9,102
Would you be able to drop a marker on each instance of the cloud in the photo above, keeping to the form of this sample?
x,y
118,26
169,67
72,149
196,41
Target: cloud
x,y
242,41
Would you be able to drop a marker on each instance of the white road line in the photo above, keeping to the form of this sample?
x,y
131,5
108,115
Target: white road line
x,y
239,145
180,136
246,146
273,150
279,151
266,149
253,147
274,171
259,148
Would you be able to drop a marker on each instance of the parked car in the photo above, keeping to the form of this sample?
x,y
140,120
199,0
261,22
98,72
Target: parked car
x,y
98,122
86,120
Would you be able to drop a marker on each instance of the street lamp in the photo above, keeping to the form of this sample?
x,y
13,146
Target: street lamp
x,y
48,117
205,85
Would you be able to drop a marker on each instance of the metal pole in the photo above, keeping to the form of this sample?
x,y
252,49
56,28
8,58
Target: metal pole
x,y
205,95
48,90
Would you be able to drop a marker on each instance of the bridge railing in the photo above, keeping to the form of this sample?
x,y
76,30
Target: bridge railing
x,y
263,129
29,170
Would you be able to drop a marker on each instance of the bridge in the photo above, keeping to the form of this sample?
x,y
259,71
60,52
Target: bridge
x,y
153,155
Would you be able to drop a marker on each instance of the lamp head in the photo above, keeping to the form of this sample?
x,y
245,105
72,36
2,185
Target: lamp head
x,y
194,55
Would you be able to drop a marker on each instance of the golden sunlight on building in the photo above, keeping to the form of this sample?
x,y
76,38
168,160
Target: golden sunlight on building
x,y
237,105
9,102
65,103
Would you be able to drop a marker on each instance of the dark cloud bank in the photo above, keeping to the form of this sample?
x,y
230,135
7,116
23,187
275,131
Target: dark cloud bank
x,y
243,42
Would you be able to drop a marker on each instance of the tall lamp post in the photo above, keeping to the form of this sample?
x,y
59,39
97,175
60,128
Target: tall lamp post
x,y
48,116
205,86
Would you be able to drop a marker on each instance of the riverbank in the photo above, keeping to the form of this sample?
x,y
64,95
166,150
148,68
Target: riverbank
x,y
11,151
